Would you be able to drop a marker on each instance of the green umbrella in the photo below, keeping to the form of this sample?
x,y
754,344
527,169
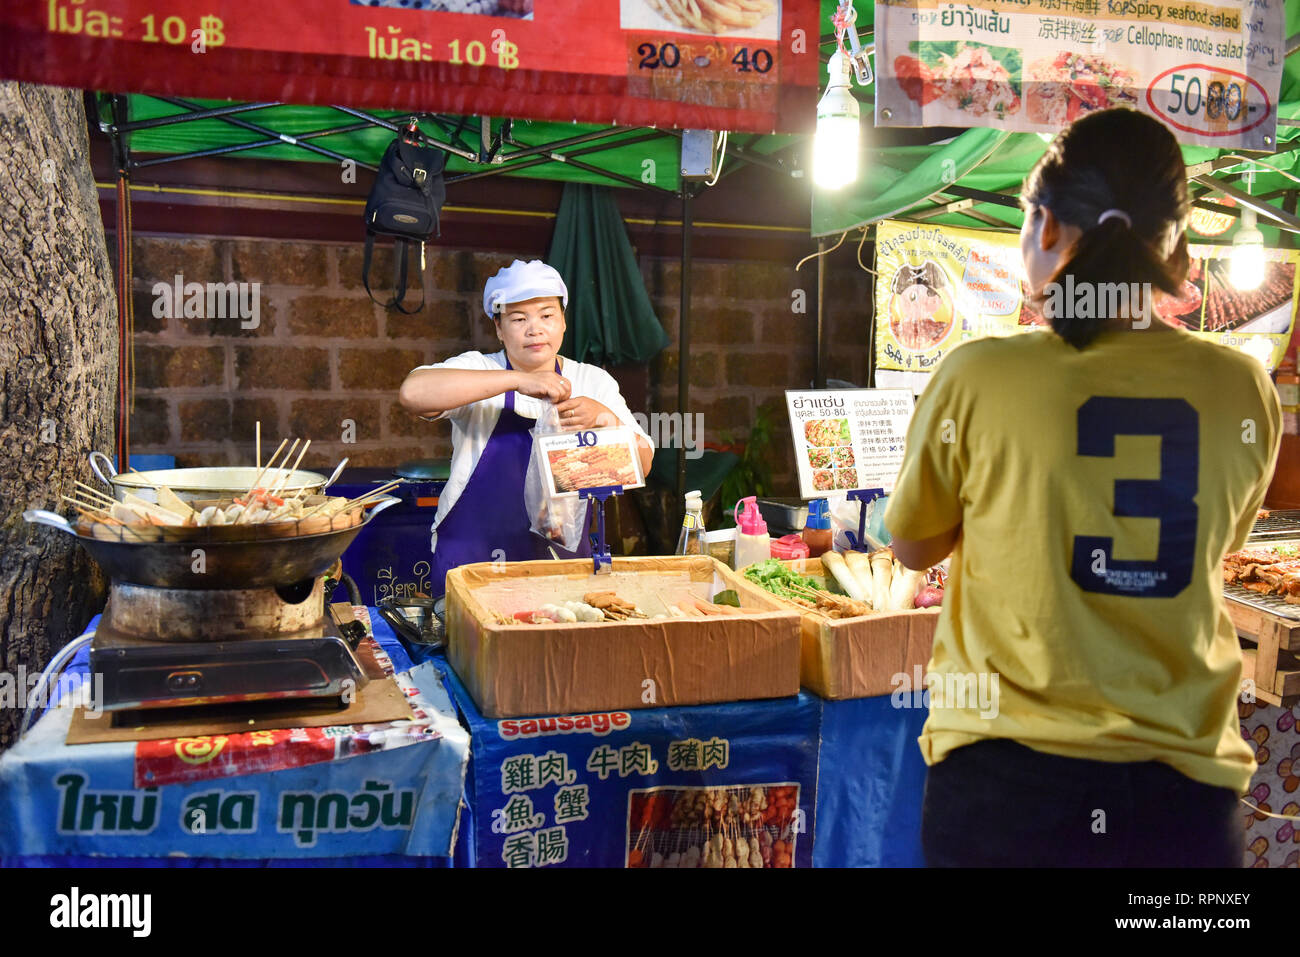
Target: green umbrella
x,y
610,319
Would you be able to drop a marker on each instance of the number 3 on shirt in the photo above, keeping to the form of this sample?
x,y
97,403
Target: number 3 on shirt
x,y
1171,498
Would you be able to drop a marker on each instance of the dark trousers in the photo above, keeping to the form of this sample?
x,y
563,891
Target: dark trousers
x,y
1000,804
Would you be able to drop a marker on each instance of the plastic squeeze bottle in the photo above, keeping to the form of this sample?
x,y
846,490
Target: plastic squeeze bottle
x,y
691,540
752,541
817,530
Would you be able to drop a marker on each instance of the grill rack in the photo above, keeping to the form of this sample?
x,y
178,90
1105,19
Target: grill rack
x,y
1266,603
1281,523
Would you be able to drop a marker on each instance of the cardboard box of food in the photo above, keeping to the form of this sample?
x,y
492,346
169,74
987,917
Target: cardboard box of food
x,y
860,657
515,670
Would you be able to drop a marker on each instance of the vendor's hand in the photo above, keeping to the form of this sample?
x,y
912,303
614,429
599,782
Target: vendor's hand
x,y
544,385
585,413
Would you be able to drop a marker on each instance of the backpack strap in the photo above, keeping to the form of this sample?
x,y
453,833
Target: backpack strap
x,y
400,252
365,268
401,249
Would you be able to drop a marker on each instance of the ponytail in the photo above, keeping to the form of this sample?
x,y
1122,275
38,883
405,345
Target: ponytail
x,y
1111,252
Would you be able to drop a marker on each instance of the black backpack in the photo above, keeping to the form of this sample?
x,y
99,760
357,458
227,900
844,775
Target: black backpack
x,y
404,203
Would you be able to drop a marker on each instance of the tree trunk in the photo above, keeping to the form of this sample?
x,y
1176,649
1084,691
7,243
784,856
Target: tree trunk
x,y
58,370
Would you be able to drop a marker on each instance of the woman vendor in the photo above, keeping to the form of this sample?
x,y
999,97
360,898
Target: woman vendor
x,y
493,402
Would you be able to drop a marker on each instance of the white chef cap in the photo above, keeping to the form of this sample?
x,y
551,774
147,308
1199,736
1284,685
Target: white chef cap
x,y
521,281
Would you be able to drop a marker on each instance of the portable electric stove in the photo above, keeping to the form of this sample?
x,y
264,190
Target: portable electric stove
x,y
246,620
177,647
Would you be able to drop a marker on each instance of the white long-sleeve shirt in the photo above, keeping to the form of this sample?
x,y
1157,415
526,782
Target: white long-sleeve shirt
x,y
472,425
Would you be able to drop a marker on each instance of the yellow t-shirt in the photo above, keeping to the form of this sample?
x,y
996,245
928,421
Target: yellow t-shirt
x,y
1097,493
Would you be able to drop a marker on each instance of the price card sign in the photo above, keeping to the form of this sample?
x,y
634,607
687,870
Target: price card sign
x,y
848,439
595,458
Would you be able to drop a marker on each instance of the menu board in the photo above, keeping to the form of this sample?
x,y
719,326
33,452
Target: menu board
x,y
594,458
741,65
849,438
1211,71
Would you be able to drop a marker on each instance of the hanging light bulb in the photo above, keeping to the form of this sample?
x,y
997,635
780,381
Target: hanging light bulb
x,y
1246,269
835,146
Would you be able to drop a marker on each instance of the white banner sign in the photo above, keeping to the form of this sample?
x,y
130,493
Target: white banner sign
x,y
1210,71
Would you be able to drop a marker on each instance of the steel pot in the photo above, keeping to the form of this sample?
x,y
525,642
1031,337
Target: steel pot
x,y
192,484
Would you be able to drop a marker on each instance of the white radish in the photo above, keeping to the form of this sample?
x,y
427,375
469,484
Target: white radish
x,y
882,573
835,564
903,591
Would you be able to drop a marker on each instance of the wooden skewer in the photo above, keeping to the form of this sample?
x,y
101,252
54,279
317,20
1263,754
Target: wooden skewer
x,y
352,502
91,516
86,505
258,480
285,477
258,432
263,471
90,489
375,493
287,455
380,490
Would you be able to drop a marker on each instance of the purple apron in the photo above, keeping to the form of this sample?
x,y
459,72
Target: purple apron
x,y
489,518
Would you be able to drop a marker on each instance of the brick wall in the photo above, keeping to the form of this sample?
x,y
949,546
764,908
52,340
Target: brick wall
x,y
324,354
748,345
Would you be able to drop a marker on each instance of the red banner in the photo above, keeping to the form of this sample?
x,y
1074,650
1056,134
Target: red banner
x,y
743,65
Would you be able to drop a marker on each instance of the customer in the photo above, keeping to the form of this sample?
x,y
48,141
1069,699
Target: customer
x,y
1088,481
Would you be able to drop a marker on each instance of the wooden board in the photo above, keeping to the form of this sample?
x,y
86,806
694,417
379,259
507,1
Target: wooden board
x,y
1272,663
1286,681
376,702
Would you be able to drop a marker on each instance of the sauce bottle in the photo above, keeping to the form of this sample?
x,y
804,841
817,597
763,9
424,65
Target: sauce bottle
x,y
691,540
817,530
752,541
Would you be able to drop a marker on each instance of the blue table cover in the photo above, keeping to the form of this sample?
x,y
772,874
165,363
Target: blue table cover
x,y
856,765
393,805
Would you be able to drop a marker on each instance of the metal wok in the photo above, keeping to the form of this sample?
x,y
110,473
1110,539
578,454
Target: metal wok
x,y
260,563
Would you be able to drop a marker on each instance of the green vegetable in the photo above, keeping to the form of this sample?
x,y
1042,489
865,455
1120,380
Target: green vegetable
x,y
1290,551
776,578
728,597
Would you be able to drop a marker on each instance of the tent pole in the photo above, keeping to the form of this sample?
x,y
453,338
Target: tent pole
x,y
508,167
193,114
684,343
820,381
257,128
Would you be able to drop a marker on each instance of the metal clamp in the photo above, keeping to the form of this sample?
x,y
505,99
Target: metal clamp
x,y
864,497
602,561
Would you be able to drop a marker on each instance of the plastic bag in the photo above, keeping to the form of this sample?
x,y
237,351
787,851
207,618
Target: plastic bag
x,y
844,523
561,521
